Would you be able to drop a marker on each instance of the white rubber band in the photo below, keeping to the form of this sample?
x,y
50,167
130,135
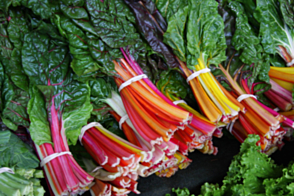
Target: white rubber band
x,y
290,63
245,96
197,73
53,156
6,169
122,120
277,109
86,127
130,81
179,101
229,126
96,169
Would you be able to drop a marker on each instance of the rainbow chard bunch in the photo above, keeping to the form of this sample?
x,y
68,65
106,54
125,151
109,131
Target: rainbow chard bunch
x,y
257,119
198,134
58,108
166,157
107,43
198,42
40,94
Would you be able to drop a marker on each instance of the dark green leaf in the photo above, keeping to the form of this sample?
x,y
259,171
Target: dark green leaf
x,y
175,33
287,9
47,66
112,23
15,153
168,8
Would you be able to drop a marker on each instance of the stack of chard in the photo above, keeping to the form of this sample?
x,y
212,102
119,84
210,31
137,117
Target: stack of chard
x,y
201,130
257,118
164,156
93,71
41,95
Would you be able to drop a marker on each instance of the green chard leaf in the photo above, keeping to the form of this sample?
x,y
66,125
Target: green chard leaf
x,y
90,53
274,32
15,153
43,8
17,27
4,4
172,84
64,101
204,34
246,41
287,9
113,22
168,8
100,89
74,9
175,32
19,157
14,97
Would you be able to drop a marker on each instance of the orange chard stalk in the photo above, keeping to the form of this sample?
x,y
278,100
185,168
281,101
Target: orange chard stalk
x,y
205,103
251,102
130,135
156,101
281,75
157,127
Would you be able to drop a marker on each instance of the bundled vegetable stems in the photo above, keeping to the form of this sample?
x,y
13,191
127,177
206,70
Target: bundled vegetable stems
x,y
215,105
165,157
154,120
200,129
257,119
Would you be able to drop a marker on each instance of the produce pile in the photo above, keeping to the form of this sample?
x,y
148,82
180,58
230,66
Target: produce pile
x,y
112,90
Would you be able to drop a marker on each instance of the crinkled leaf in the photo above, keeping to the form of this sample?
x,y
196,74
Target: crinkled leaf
x,y
247,173
90,53
173,84
211,190
100,89
10,55
168,8
74,9
15,153
103,54
112,23
43,8
14,104
47,66
249,8
82,62
273,31
49,29
17,27
175,33
204,34
4,4
246,41
287,9
6,46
